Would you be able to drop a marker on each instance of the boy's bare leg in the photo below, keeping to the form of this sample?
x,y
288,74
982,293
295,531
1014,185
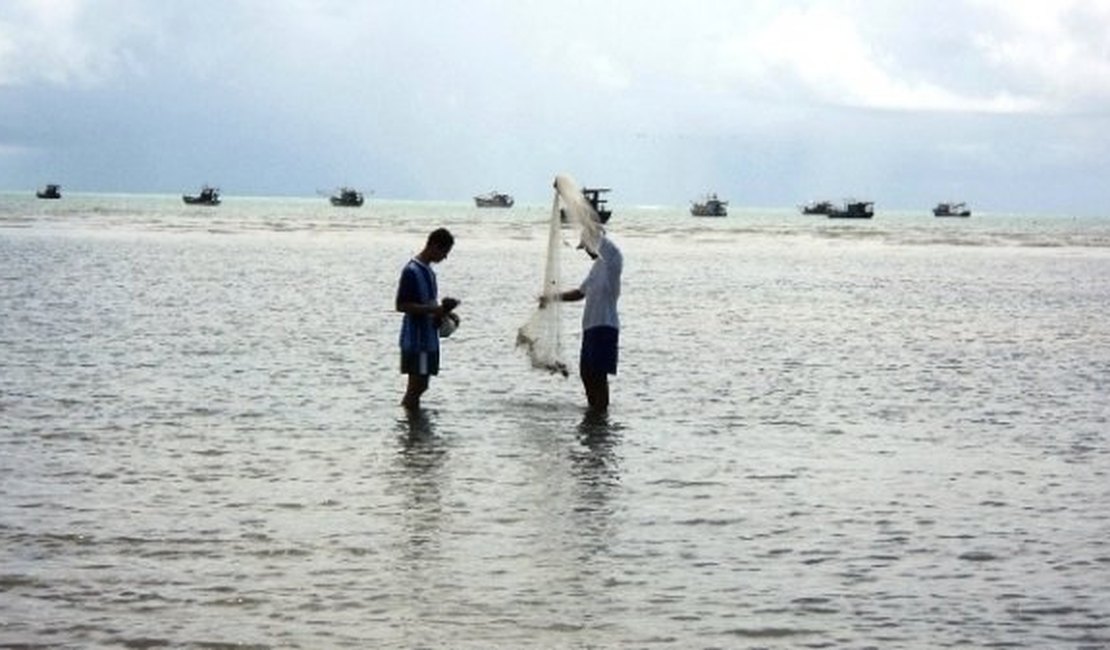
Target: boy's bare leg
x,y
417,385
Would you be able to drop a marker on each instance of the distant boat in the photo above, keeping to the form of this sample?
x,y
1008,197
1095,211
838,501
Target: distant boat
x,y
593,197
493,200
854,210
711,206
50,192
951,209
208,196
818,207
346,197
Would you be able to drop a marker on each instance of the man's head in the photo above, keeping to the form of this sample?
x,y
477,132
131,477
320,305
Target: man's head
x,y
583,246
439,245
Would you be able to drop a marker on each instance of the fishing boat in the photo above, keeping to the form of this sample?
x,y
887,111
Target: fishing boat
x,y
951,209
710,206
854,210
208,196
593,197
50,192
493,200
818,207
346,197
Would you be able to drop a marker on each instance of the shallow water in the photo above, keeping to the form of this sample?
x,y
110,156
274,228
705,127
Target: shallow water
x,y
889,434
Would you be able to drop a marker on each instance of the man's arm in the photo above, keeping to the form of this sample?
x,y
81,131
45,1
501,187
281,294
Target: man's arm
x,y
570,295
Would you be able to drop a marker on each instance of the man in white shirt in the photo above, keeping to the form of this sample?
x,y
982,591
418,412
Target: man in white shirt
x,y
600,323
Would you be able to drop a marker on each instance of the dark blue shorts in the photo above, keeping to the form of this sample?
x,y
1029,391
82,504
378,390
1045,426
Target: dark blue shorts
x,y
599,350
420,363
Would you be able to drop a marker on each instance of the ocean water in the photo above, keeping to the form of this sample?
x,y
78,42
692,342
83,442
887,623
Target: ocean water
x,y
884,434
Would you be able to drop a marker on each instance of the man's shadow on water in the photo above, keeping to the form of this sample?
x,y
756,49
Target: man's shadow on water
x,y
596,462
595,468
596,429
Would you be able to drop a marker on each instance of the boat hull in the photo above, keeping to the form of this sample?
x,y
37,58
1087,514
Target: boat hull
x,y
951,209
199,200
710,206
708,211
50,192
346,197
208,196
819,207
855,210
495,202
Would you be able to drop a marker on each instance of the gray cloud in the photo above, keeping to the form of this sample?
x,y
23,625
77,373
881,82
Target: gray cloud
x,y
769,102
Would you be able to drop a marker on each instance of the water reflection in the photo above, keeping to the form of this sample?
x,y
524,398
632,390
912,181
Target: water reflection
x,y
596,469
417,428
419,519
596,459
421,458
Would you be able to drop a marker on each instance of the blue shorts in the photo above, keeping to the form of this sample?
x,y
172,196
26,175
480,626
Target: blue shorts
x,y
599,350
420,363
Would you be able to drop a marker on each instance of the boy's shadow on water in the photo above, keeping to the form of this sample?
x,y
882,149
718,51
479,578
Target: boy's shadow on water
x,y
419,478
422,451
416,427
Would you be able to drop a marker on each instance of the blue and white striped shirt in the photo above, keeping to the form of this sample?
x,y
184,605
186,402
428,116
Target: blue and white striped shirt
x,y
418,284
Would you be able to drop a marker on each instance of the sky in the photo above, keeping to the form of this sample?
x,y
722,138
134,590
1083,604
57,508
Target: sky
x,y
1001,103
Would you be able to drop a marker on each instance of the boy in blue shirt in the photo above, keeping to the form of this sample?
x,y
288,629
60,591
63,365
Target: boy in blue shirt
x,y
417,299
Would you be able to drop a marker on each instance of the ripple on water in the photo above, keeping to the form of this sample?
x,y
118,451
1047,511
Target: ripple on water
x,y
856,447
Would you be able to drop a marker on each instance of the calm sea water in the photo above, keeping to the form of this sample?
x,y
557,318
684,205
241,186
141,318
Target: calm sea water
x,y
884,434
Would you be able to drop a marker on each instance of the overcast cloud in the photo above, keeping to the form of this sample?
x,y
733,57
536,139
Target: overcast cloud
x,y
1004,103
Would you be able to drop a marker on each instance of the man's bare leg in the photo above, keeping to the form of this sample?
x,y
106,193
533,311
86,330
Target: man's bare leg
x,y
597,391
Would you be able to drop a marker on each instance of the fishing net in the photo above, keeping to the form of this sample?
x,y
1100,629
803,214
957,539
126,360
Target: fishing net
x,y
542,336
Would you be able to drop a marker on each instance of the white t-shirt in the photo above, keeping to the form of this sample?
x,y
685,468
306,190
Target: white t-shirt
x,y
602,287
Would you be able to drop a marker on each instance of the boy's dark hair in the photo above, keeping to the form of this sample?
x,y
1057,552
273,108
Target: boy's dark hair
x,y
442,239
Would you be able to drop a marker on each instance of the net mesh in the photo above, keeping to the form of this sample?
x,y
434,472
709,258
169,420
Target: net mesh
x,y
542,336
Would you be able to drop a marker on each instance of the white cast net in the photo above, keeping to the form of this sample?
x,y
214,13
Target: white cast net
x,y
542,336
